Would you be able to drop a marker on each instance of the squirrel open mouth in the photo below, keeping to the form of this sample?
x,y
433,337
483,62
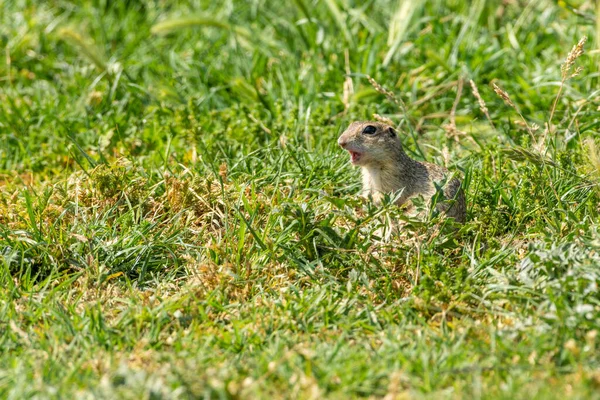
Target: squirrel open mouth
x,y
354,156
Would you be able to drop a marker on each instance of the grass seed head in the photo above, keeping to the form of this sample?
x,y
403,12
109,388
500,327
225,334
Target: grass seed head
x,y
383,119
503,95
223,171
576,52
482,105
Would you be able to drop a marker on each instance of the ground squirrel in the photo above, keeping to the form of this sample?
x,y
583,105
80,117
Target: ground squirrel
x,y
386,168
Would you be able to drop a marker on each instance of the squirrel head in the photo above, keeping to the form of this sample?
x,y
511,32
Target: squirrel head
x,y
370,143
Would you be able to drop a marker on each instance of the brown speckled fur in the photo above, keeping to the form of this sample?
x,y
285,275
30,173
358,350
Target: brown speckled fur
x,y
386,168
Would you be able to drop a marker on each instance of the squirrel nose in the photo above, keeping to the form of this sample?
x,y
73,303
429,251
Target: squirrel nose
x,y
343,143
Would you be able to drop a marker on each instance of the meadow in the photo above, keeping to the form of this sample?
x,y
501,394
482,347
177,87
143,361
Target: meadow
x,y
177,220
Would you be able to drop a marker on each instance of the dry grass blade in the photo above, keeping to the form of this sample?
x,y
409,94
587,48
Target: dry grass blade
x,y
482,105
450,128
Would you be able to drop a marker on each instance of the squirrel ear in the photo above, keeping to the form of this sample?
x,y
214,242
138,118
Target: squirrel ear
x,y
392,131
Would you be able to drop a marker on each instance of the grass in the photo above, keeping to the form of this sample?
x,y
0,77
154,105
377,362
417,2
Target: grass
x,y
177,221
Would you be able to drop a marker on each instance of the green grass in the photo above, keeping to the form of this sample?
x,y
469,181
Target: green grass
x,y
177,221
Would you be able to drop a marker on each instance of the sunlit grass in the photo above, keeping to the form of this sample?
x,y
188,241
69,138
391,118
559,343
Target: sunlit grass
x,y
177,221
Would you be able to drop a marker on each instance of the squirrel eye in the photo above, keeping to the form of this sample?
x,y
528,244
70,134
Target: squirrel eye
x,y
369,130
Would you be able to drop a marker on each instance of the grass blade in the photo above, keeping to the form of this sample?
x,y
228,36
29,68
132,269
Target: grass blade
x,y
85,46
399,25
339,19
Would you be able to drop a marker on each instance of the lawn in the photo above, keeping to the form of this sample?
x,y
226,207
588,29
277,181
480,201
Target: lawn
x,y
177,220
